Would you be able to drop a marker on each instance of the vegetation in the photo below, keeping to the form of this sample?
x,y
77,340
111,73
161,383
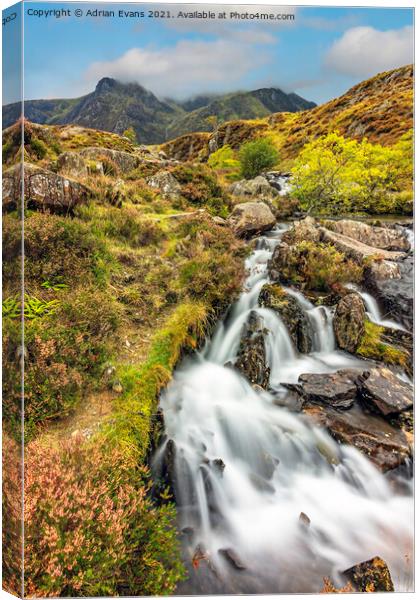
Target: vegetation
x,y
131,135
319,267
333,174
257,156
372,346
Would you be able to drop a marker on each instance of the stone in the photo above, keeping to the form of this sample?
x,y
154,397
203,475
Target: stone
x,y
304,230
279,261
290,312
250,218
383,238
396,295
338,390
251,361
356,250
125,161
166,183
370,576
258,187
232,557
304,520
43,190
380,270
384,393
349,322
72,164
383,444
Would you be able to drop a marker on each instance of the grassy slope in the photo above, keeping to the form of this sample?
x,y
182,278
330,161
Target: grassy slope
x,y
380,109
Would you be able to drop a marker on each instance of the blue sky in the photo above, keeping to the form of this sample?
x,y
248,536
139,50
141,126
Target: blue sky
x,y
319,55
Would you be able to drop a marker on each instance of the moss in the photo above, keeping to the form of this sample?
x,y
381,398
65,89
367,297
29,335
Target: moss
x,y
133,419
372,346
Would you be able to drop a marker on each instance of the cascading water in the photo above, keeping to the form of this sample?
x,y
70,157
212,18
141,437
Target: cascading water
x,y
372,308
246,467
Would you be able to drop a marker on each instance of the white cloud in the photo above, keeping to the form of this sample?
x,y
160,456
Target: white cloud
x,y
188,68
365,51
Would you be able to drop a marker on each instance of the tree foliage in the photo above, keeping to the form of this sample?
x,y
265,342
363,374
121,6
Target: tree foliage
x,y
333,174
257,156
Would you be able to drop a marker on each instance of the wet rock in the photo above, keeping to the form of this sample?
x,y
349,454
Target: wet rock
x,y
338,390
219,465
304,520
384,393
43,190
370,576
356,250
251,361
72,164
349,322
232,557
166,183
250,218
261,484
255,188
383,238
396,295
384,445
290,312
279,261
125,161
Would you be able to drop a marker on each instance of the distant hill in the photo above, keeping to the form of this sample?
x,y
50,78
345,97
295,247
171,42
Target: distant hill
x,y
380,109
114,106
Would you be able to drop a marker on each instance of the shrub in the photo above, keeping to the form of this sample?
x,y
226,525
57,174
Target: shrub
x,y
38,148
257,156
90,527
131,135
200,187
12,515
333,174
319,266
224,160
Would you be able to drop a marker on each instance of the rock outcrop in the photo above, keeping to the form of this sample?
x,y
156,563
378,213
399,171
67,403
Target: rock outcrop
x,y
43,190
290,312
384,393
338,390
349,322
125,161
370,576
251,361
72,164
255,188
166,183
356,250
378,237
250,218
386,446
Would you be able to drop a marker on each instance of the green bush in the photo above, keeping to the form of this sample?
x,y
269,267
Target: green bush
x,y
38,147
257,156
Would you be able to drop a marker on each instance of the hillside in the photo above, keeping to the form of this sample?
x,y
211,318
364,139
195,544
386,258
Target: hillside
x,y
380,109
114,106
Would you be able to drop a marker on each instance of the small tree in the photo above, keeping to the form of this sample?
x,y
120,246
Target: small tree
x,y
257,156
131,135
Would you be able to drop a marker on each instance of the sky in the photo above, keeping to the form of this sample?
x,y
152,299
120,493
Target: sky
x,y
318,55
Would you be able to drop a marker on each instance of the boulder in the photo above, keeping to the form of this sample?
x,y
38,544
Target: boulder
x,y
125,161
232,557
379,270
370,576
386,446
251,361
338,390
43,190
250,218
349,322
279,261
396,295
377,237
356,250
290,312
384,393
72,164
304,230
166,183
255,188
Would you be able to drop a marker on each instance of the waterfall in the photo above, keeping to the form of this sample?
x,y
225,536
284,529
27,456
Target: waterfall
x,y
245,468
372,309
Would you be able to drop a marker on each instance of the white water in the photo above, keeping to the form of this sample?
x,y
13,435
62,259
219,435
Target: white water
x,y
277,465
372,309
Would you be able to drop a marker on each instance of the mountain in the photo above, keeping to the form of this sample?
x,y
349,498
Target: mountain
x,y
379,108
242,105
115,106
